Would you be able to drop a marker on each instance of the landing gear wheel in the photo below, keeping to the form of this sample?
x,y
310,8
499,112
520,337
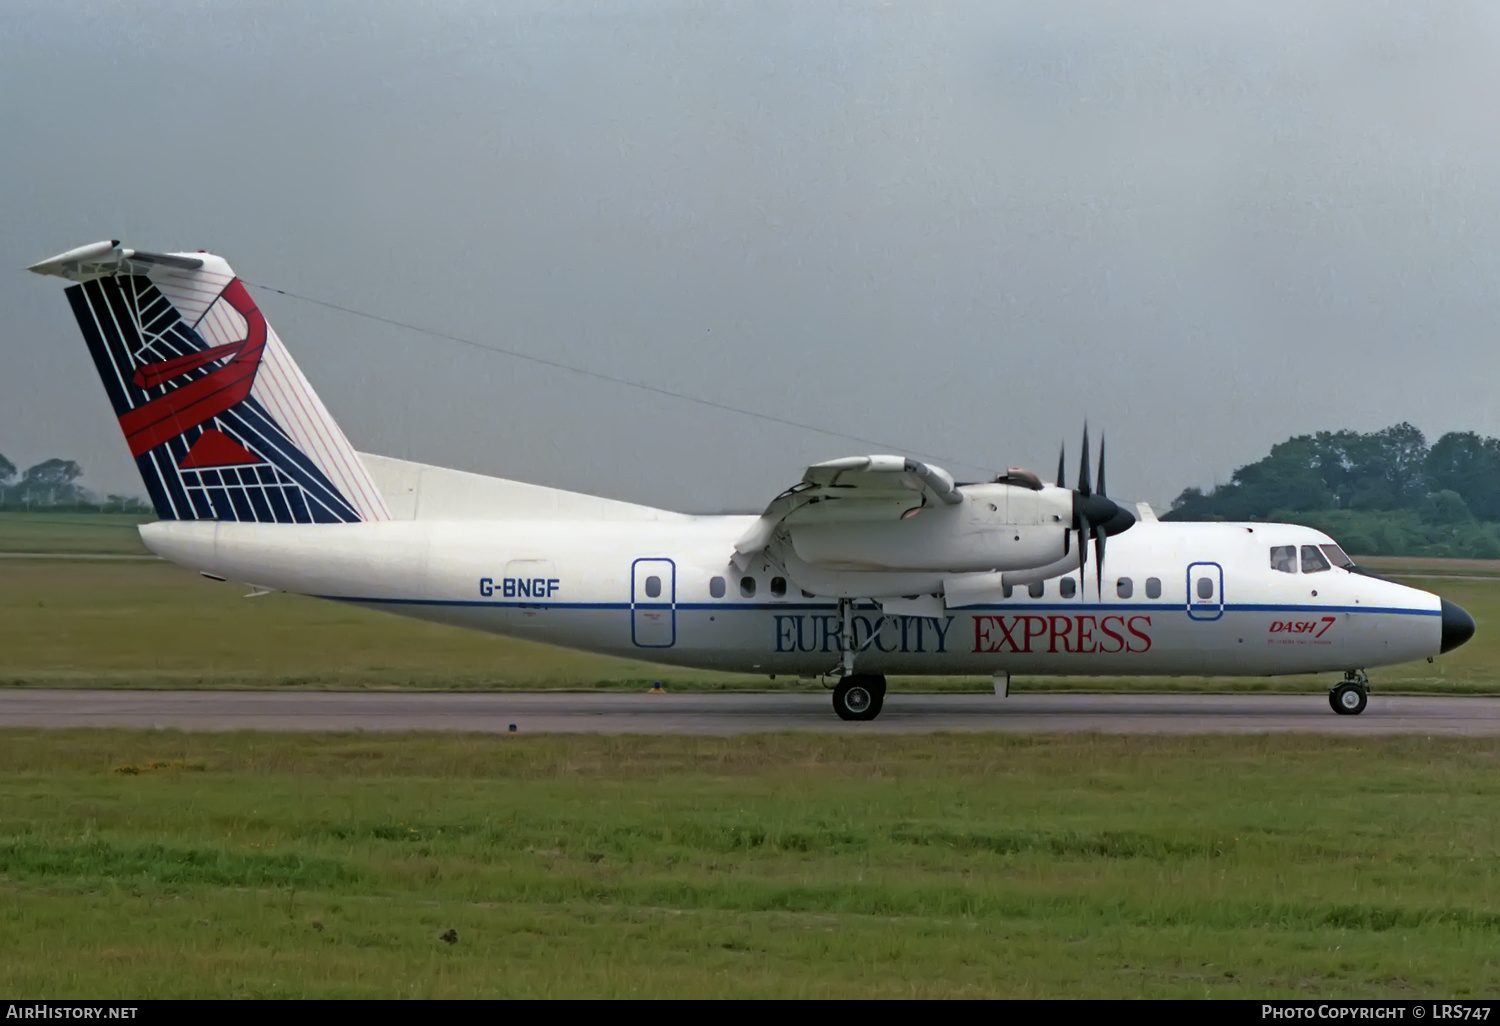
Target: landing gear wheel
x,y
859,697
1348,699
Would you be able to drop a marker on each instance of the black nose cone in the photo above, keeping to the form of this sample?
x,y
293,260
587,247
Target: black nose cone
x,y
1458,626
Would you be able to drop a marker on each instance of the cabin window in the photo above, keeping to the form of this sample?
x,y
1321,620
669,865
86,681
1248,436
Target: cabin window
x,y
1284,558
1153,587
1337,557
1037,589
778,587
1124,588
1067,587
653,587
716,587
747,587
1205,588
1312,560
1007,590
807,594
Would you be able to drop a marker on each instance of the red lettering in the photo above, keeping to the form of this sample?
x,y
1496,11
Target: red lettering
x,y
1006,636
1130,626
1062,632
1327,621
1119,639
982,635
1080,634
1086,635
1041,629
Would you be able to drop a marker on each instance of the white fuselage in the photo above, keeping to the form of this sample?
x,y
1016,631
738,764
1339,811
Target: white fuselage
x,y
645,589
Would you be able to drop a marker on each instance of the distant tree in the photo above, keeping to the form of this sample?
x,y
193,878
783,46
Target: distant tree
x,y
50,483
1445,508
1383,470
1469,465
7,469
1289,478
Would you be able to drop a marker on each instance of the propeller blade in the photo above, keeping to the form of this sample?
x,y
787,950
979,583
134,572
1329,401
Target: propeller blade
x,y
1099,553
1062,456
1083,466
1083,561
1101,465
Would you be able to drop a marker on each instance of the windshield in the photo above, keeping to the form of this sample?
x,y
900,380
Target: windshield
x,y
1336,556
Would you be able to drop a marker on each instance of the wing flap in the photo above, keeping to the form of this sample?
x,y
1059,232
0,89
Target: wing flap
x,y
854,489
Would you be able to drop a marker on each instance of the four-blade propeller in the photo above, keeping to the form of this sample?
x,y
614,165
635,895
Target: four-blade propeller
x,y
1095,516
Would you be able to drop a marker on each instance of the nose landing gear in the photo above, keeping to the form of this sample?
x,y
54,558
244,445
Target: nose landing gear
x,y
1350,697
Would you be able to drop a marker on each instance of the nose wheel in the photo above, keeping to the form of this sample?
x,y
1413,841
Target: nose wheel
x,y
1350,697
859,696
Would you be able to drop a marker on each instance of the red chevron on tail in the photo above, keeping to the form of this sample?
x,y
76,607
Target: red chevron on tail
x,y
155,422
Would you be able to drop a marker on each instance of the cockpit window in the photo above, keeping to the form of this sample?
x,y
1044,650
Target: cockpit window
x,y
1284,558
1312,560
1336,556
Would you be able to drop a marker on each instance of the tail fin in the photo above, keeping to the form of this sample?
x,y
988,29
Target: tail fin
x,y
220,420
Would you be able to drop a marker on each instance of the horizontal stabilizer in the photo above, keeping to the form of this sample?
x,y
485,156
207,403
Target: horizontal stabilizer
x,y
98,259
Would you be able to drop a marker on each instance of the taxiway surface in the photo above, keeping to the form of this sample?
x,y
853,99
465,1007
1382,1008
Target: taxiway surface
x,y
721,714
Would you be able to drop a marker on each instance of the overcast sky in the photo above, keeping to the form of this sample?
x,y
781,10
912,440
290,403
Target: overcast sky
x,y
955,229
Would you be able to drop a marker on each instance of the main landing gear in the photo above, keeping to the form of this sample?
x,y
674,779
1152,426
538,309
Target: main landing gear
x,y
1350,697
859,696
856,696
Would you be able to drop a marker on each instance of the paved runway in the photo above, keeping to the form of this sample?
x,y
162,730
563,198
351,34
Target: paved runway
x,y
720,714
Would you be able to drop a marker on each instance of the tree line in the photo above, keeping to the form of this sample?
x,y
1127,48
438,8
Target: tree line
x,y
1383,493
53,485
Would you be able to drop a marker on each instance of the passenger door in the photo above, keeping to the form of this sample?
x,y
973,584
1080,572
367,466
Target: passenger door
x,y
1205,591
653,603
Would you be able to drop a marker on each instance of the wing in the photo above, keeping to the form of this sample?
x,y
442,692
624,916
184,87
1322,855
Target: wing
x,y
852,490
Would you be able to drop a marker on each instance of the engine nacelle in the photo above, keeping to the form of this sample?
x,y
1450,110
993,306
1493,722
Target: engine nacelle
x,y
996,527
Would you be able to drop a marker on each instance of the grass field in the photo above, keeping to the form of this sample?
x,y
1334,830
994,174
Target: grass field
x,y
163,864
106,533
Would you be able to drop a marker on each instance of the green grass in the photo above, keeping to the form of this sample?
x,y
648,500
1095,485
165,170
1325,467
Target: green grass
x,y
172,865
128,623
102,533
1426,567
